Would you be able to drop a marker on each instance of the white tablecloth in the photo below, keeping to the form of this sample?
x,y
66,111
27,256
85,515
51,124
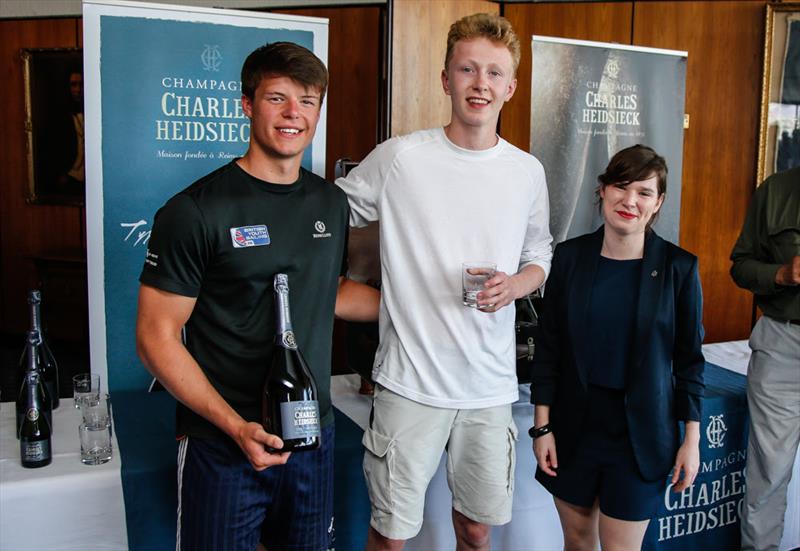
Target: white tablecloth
x,y
535,524
64,506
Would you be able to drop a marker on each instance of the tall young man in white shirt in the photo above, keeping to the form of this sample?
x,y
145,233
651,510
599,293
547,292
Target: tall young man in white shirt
x,y
445,373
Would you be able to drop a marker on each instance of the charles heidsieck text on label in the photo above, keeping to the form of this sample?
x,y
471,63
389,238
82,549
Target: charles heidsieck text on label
x,y
35,451
300,419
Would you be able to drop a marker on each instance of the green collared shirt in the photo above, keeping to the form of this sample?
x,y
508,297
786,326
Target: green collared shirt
x,y
770,238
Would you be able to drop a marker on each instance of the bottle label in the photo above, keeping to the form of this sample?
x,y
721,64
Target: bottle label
x,y
33,414
35,451
300,419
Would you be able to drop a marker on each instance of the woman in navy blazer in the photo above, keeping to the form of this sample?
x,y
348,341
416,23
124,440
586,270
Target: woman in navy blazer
x,y
618,365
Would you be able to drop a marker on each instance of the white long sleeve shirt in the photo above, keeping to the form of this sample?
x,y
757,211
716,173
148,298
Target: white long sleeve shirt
x,y
440,205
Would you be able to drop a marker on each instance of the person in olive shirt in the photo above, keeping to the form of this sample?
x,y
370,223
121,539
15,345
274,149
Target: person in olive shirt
x,y
766,261
208,277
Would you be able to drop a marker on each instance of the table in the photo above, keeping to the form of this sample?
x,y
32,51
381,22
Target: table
x,y
144,467
735,356
74,506
135,495
535,524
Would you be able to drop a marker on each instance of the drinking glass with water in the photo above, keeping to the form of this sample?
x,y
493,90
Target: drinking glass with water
x,y
473,277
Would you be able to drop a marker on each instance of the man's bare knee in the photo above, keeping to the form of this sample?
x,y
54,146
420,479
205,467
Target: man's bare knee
x,y
476,534
469,533
378,542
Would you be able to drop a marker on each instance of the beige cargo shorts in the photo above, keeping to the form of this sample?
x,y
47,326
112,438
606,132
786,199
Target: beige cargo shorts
x,y
404,446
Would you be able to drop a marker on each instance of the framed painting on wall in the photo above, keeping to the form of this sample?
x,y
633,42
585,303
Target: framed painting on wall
x,y
779,136
54,125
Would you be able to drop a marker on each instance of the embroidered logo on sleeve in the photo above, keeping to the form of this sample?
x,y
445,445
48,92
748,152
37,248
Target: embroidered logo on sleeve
x,y
151,259
250,236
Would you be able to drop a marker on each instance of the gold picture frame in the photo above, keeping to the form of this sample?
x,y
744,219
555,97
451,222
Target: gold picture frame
x,y
54,124
778,115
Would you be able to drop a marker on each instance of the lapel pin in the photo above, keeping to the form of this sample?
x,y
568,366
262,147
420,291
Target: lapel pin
x,y
654,273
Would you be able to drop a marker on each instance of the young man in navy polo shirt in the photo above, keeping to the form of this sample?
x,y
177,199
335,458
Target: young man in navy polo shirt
x,y
206,324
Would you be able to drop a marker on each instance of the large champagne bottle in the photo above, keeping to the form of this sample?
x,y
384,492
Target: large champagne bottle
x,y
33,385
47,366
34,433
290,407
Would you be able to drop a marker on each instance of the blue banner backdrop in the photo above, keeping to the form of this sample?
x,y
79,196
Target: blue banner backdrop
x,y
169,112
706,515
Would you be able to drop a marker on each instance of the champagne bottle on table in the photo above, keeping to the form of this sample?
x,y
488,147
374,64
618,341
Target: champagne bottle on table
x,y
290,408
31,385
34,432
47,366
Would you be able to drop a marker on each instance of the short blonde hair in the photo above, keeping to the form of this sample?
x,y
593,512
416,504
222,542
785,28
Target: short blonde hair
x,y
484,25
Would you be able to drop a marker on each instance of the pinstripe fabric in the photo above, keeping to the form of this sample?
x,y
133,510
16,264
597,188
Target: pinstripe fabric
x,y
225,505
181,458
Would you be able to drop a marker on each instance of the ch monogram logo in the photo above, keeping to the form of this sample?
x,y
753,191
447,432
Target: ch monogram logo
x,y
211,58
715,431
612,68
319,225
288,340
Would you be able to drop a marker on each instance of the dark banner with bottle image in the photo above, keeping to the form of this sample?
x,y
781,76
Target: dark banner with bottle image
x,y
588,101
163,108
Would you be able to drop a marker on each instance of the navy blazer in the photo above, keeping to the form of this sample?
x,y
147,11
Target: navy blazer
x,y
664,380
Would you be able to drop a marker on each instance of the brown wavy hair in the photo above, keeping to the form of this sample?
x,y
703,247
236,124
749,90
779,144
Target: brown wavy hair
x,y
284,59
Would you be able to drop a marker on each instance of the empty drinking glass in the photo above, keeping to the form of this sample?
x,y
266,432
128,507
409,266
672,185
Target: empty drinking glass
x,y
85,386
96,410
95,444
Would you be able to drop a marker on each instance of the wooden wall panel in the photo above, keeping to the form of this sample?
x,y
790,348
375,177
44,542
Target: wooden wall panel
x,y
26,230
724,40
354,66
725,43
723,81
354,70
605,22
419,43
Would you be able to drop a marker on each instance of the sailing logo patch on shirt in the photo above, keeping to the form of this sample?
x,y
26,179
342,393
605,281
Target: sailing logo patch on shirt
x,y
250,236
